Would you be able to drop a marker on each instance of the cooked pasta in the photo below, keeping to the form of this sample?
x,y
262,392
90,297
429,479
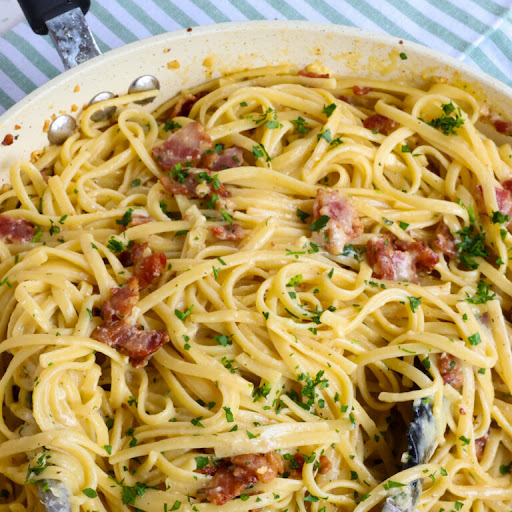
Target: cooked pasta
x,y
235,300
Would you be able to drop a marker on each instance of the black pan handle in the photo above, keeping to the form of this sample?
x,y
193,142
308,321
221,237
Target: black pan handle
x,y
38,12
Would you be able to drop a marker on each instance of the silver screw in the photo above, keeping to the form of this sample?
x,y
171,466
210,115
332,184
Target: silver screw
x,y
144,83
61,128
105,113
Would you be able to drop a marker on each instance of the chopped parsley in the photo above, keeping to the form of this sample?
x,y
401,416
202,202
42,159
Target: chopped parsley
x,y
482,294
262,391
182,315
475,339
259,151
329,109
170,124
135,183
326,135
223,340
302,215
300,126
414,302
390,484
115,245
229,415
319,223
446,123
472,245
499,218
90,493
403,56
127,218
403,225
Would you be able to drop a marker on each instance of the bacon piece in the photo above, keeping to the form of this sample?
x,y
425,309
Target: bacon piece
x,y
380,123
189,187
503,198
184,106
312,74
450,370
361,91
399,260
444,241
480,446
226,159
229,232
325,465
295,466
343,224
502,126
130,340
8,140
121,301
139,218
230,481
149,268
183,146
15,230
425,258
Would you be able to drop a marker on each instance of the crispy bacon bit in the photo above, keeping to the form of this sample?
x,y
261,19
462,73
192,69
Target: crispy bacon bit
x,y
450,370
361,91
325,465
121,301
444,241
184,146
147,266
130,340
231,480
380,123
226,159
150,268
343,224
15,230
194,185
312,74
138,218
8,140
480,446
116,332
295,466
504,127
503,198
184,106
399,260
229,232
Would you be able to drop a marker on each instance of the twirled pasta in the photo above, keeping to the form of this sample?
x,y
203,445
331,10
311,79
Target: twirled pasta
x,y
274,342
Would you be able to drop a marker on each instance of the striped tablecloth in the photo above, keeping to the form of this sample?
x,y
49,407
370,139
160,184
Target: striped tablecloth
x,y
476,31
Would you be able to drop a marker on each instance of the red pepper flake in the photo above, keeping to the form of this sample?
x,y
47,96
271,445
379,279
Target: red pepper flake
x,y
17,127
8,140
189,29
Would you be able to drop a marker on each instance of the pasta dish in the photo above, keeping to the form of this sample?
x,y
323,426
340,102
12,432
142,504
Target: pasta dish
x,y
280,290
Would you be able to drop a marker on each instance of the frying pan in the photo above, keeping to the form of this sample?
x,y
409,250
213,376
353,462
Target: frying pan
x,y
185,58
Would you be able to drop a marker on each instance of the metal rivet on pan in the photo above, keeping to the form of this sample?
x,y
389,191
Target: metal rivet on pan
x,y
105,113
61,128
144,83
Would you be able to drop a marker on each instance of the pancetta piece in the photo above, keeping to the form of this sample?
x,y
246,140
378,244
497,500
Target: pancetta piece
x,y
450,370
399,260
343,224
233,477
226,159
130,340
380,123
15,230
185,146
444,241
229,232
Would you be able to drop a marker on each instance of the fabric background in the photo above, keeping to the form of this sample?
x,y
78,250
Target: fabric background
x,y
478,32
